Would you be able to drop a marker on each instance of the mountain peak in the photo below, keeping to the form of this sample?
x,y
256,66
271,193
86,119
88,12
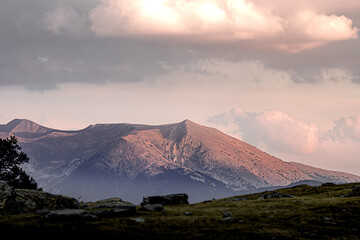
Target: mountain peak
x,y
23,126
187,121
190,124
179,130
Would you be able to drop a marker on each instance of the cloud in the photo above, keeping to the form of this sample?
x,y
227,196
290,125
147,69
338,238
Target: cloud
x,y
206,18
134,48
346,128
65,20
237,21
334,75
321,5
271,129
309,29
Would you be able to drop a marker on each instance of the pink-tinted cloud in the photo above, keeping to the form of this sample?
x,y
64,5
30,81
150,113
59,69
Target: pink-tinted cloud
x,y
347,128
236,21
231,19
270,129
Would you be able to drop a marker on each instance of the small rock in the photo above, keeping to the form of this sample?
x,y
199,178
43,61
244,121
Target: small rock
x,y
229,220
187,213
137,220
328,220
43,211
152,208
227,214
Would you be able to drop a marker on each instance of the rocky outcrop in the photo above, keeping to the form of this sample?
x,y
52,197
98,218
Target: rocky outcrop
x,y
8,203
156,203
14,201
276,195
57,207
109,203
355,192
172,199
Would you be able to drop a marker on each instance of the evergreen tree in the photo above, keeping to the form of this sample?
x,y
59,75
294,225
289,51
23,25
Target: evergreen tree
x,y
11,157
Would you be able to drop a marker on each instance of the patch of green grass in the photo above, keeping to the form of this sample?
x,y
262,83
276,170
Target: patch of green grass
x,y
314,213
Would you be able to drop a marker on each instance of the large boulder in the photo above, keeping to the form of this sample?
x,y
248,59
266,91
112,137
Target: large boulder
x,y
111,203
172,199
111,207
8,202
152,207
14,201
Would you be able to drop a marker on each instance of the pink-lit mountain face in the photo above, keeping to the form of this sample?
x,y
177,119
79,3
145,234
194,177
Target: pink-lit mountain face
x,y
130,161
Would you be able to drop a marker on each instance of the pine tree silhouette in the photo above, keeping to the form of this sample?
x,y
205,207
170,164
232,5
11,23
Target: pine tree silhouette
x,y
11,157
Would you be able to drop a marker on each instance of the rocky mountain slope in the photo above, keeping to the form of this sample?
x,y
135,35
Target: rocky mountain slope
x,y
131,160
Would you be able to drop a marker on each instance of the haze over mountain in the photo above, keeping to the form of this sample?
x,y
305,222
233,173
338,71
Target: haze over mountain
x,y
132,160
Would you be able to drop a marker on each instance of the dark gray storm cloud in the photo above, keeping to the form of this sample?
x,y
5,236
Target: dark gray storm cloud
x,y
39,54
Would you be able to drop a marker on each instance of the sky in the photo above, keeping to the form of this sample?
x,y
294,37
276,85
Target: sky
x,y
281,75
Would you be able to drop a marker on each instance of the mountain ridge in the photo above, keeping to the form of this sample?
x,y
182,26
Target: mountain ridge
x,y
23,125
155,158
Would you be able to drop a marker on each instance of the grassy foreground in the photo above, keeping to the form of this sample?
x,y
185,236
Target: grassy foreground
x,y
314,213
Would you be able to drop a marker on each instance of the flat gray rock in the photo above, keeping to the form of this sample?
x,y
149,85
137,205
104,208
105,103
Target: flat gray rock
x,y
117,212
112,203
152,208
70,214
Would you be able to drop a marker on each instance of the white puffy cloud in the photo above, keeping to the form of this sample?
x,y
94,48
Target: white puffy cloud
x,y
207,18
271,129
236,21
307,29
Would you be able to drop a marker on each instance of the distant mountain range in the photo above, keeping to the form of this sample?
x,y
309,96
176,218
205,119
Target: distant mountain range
x,y
132,160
